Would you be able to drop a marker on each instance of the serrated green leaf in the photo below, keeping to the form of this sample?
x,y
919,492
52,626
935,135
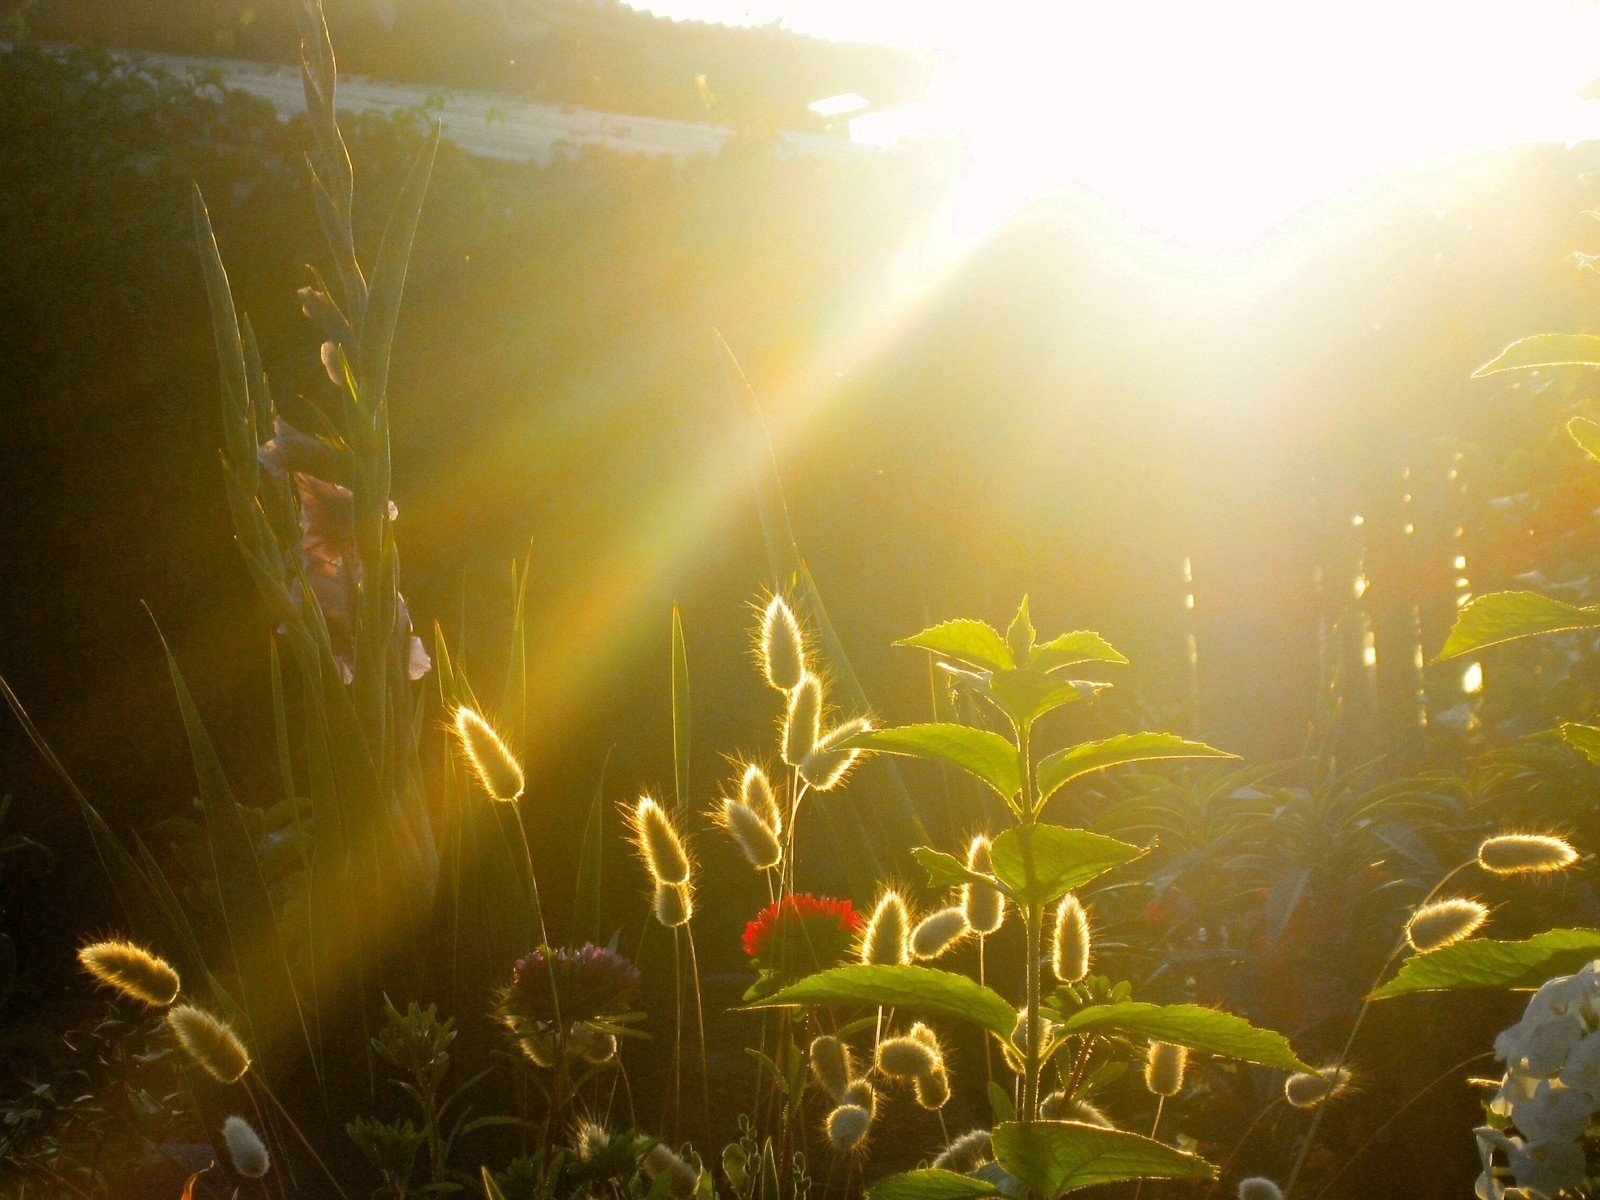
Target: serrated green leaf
x,y
1066,765
1521,966
1506,616
977,751
1025,696
1063,859
1000,1104
1204,1029
921,990
1586,433
1019,637
1081,645
1583,738
1057,1157
929,1184
974,642
944,870
1545,350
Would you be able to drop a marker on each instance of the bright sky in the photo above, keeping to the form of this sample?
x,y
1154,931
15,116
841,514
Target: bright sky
x,y
1212,123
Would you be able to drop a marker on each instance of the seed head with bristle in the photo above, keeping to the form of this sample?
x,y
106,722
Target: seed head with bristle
x,y
1526,854
802,723
933,1090
829,762
673,904
209,1041
659,844
1020,1032
682,1178
132,970
1163,1068
830,1064
1069,947
937,932
1259,1187
860,1094
590,1140
966,1152
755,792
905,1057
491,759
1056,1107
984,906
1306,1089
847,1127
782,646
1444,923
757,840
245,1148
887,940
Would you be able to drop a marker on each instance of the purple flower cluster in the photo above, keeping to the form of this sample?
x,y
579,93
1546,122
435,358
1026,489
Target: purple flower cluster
x,y
588,982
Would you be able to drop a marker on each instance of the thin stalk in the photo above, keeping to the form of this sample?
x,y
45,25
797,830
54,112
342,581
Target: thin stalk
x,y
1033,923
304,1141
1155,1127
700,1017
677,1036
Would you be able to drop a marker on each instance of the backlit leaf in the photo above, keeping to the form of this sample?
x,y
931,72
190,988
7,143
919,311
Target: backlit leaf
x,y
930,1184
1063,859
1487,963
1207,1030
1057,1157
920,990
973,642
1066,765
977,751
1506,616
1586,433
1076,647
1545,350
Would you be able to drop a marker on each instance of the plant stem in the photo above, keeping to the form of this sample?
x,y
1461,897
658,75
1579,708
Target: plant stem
x,y
1033,920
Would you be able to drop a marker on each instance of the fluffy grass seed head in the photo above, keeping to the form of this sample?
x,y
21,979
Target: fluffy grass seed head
x,y
887,939
682,1178
906,1057
209,1041
938,932
984,906
1069,946
1019,1032
1164,1064
933,1090
662,850
755,792
965,1153
1444,923
590,1140
782,646
830,1064
132,970
802,723
1259,1187
757,840
860,1094
1307,1089
1526,854
828,763
847,1127
245,1148
491,759
673,903
1056,1107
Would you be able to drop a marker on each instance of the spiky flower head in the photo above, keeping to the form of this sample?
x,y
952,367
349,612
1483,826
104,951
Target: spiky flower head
x,y
1259,1187
659,845
588,982
590,1140
905,1057
1444,923
1526,854
829,761
1069,946
933,1089
757,840
984,905
966,1152
830,1064
801,934
887,941
491,759
132,970
1163,1068
755,792
673,904
210,1041
245,1148
1307,1089
802,722
938,931
782,646
847,1127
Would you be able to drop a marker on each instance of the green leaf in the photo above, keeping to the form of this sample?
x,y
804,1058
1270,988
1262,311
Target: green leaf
x,y
944,870
1204,1029
1057,1157
1019,638
1066,765
1586,433
1025,696
977,751
974,642
929,1184
1583,738
1521,966
1000,1104
680,712
491,1189
1545,350
1500,617
920,990
1076,647
1063,859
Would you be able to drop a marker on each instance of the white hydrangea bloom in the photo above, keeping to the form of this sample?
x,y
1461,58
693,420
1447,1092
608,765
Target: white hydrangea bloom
x,y
1582,1069
1547,1167
1553,1113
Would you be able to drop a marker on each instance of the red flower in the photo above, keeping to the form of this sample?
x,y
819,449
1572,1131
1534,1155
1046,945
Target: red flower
x,y
802,933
